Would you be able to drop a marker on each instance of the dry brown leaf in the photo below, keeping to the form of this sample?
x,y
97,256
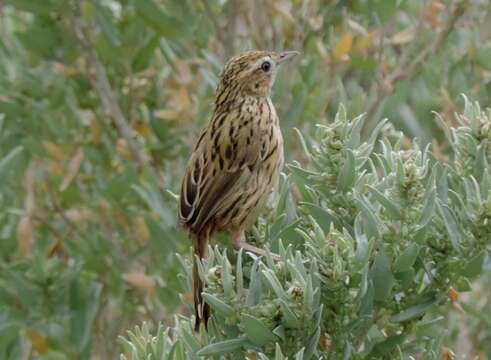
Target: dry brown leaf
x,y
55,168
343,47
121,219
73,168
284,8
456,305
105,205
140,281
78,216
86,116
143,128
432,10
324,341
118,167
362,43
56,247
453,294
357,27
319,44
25,236
95,131
122,148
39,342
53,150
142,232
404,36
447,354
184,101
316,22
166,114
148,72
64,69
251,356
185,76
29,200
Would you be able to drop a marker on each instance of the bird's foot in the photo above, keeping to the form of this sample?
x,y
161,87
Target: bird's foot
x,y
240,243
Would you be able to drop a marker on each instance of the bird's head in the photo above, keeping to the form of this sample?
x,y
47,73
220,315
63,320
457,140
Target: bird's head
x,y
251,73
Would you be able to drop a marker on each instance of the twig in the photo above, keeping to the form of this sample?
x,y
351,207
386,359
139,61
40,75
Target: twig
x,y
231,28
48,225
101,85
58,208
407,69
213,19
3,26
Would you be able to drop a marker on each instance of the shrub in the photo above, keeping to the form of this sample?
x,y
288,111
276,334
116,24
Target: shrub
x,y
385,233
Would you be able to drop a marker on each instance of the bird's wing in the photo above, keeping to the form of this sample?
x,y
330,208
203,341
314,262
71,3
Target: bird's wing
x,y
221,163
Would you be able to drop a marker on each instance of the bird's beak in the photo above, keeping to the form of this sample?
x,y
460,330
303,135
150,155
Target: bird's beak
x,y
286,56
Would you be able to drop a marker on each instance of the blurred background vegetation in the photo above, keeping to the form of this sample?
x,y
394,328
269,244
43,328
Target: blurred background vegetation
x,y
100,101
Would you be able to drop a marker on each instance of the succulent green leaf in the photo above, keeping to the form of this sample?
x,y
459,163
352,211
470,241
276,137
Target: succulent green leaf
x,y
274,283
239,274
413,311
393,210
256,331
190,341
4,162
450,224
371,220
222,347
354,135
255,285
305,147
312,344
280,332
288,318
474,267
278,353
366,302
381,276
362,251
300,355
385,347
321,215
227,279
308,296
376,131
406,260
443,125
218,305
347,175
428,208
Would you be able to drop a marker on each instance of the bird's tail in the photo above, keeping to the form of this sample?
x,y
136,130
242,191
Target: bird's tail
x,y
201,309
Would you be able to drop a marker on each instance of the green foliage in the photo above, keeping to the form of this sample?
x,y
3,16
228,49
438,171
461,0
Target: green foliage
x,y
87,204
375,264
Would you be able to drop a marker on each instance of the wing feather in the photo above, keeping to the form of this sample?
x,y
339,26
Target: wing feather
x,y
214,174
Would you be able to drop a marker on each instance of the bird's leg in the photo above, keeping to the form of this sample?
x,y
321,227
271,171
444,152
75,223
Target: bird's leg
x,y
239,241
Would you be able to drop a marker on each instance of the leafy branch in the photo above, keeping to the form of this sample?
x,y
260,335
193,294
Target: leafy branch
x,y
408,68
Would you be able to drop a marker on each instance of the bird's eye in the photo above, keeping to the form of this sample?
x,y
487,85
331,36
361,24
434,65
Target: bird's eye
x,y
266,66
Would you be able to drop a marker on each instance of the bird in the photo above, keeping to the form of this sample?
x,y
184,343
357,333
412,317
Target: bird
x,y
235,162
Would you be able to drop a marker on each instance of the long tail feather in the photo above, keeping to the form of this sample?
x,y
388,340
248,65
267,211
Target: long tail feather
x,y
201,309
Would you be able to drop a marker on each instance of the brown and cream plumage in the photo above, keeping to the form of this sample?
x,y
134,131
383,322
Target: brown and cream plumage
x,y
236,160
